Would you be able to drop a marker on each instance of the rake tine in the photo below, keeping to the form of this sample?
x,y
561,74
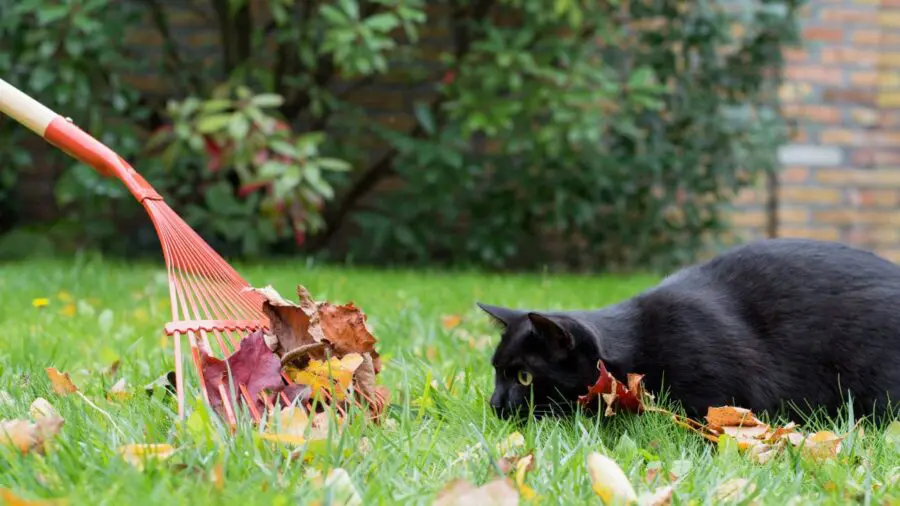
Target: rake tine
x,y
251,404
229,411
179,376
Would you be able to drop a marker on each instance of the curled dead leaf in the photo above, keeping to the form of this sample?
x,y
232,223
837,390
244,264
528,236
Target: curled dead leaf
x,y
61,382
28,436
629,398
723,416
138,454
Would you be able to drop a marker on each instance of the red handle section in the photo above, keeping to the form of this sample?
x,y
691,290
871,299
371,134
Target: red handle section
x,y
78,144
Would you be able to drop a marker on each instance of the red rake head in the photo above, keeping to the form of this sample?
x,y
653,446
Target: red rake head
x,y
208,298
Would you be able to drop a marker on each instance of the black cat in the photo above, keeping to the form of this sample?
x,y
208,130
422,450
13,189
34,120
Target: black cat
x,y
791,323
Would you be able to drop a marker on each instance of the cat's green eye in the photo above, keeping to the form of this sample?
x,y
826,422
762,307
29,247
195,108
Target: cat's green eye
x,y
525,378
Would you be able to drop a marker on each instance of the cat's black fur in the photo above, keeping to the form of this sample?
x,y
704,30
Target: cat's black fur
x,y
767,325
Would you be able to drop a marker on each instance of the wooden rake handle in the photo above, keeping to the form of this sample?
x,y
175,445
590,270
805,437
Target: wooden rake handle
x,y
66,136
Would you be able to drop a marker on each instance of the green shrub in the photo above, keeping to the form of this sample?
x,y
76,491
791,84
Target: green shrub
x,y
590,134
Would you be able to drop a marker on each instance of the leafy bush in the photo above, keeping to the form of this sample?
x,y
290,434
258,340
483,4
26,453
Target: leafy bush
x,y
602,135
593,134
279,174
69,55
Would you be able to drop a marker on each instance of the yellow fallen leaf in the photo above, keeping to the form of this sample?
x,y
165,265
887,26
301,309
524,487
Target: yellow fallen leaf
x,y
61,382
41,408
138,453
734,490
11,499
822,445
511,446
69,310
333,377
608,480
28,436
217,476
451,321
40,302
523,466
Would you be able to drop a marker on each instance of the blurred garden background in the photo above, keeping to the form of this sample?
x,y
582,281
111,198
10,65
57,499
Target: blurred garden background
x,y
502,134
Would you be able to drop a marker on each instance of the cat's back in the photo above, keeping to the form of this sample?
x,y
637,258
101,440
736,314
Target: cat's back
x,y
789,266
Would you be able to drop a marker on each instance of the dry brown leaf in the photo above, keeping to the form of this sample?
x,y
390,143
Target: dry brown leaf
x,y
291,322
12,499
28,436
61,382
499,492
630,398
41,408
734,490
731,416
139,453
345,328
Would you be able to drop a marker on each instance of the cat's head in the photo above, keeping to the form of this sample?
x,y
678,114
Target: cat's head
x,y
544,359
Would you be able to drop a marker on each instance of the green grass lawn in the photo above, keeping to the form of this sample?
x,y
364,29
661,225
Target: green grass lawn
x,y
99,312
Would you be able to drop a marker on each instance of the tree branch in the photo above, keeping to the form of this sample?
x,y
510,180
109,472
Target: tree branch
x,y
173,63
335,215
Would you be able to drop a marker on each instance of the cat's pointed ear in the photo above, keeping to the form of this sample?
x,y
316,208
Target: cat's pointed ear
x,y
500,315
553,332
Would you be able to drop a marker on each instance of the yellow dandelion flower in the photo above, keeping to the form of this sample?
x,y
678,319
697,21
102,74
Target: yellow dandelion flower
x,y
40,302
69,310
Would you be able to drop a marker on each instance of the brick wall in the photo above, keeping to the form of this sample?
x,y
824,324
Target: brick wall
x,y
841,177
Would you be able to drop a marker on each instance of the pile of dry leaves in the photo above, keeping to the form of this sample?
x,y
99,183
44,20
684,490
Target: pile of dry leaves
x,y
314,352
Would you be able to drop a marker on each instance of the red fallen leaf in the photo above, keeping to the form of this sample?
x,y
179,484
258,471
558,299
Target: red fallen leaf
x,y
214,151
253,365
629,398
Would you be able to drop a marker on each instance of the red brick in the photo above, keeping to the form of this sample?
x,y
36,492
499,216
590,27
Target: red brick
x,y
793,55
856,217
809,195
816,74
859,177
849,56
875,158
811,232
850,95
864,78
817,113
841,16
876,198
840,137
794,174
867,37
819,33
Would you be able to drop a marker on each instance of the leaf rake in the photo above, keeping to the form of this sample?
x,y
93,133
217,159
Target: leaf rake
x,y
208,298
